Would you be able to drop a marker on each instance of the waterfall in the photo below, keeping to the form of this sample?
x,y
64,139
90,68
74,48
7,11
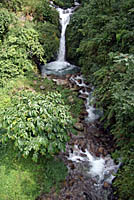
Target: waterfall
x,y
61,67
64,21
98,170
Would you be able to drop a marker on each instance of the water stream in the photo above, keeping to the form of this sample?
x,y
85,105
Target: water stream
x,y
99,169
61,66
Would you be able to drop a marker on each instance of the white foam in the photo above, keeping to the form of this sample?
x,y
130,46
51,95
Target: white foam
x,y
100,168
64,21
92,116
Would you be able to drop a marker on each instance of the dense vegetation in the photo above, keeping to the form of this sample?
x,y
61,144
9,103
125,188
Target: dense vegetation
x,y
34,123
101,37
25,32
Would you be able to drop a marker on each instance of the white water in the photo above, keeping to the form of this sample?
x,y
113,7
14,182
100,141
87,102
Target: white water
x,y
92,116
61,66
102,169
64,21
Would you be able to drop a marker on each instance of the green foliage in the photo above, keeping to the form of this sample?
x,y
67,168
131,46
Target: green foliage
x,y
47,24
4,100
125,181
23,179
6,19
97,33
37,123
64,3
114,92
44,12
98,28
41,17
28,38
75,35
54,172
13,5
20,46
49,38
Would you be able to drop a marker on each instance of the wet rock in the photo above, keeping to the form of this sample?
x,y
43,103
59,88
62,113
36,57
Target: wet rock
x,y
68,76
97,134
82,117
42,87
79,126
76,142
79,135
83,149
60,81
112,150
105,152
44,76
84,112
92,130
106,185
82,144
75,88
101,150
92,148
79,81
83,96
72,166
71,182
70,85
89,90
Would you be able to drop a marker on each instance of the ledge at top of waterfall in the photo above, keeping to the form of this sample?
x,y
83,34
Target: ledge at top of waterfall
x,y
60,66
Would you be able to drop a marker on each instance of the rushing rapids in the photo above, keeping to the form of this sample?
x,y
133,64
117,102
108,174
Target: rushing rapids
x,y
100,170
90,176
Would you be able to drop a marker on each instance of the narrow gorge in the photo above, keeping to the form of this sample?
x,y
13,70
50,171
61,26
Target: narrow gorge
x,y
66,100
87,157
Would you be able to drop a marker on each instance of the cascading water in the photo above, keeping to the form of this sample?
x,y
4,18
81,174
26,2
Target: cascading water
x,y
99,170
64,21
95,170
60,66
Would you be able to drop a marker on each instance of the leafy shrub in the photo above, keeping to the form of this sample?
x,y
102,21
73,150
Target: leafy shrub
x,y
64,3
6,18
28,38
44,12
114,92
16,52
37,123
125,180
75,34
13,5
98,28
49,38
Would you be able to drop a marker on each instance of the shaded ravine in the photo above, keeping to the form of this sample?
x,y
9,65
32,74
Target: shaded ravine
x,y
87,157
91,169
61,67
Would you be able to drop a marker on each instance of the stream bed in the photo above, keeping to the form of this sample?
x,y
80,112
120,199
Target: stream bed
x,y
91,169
